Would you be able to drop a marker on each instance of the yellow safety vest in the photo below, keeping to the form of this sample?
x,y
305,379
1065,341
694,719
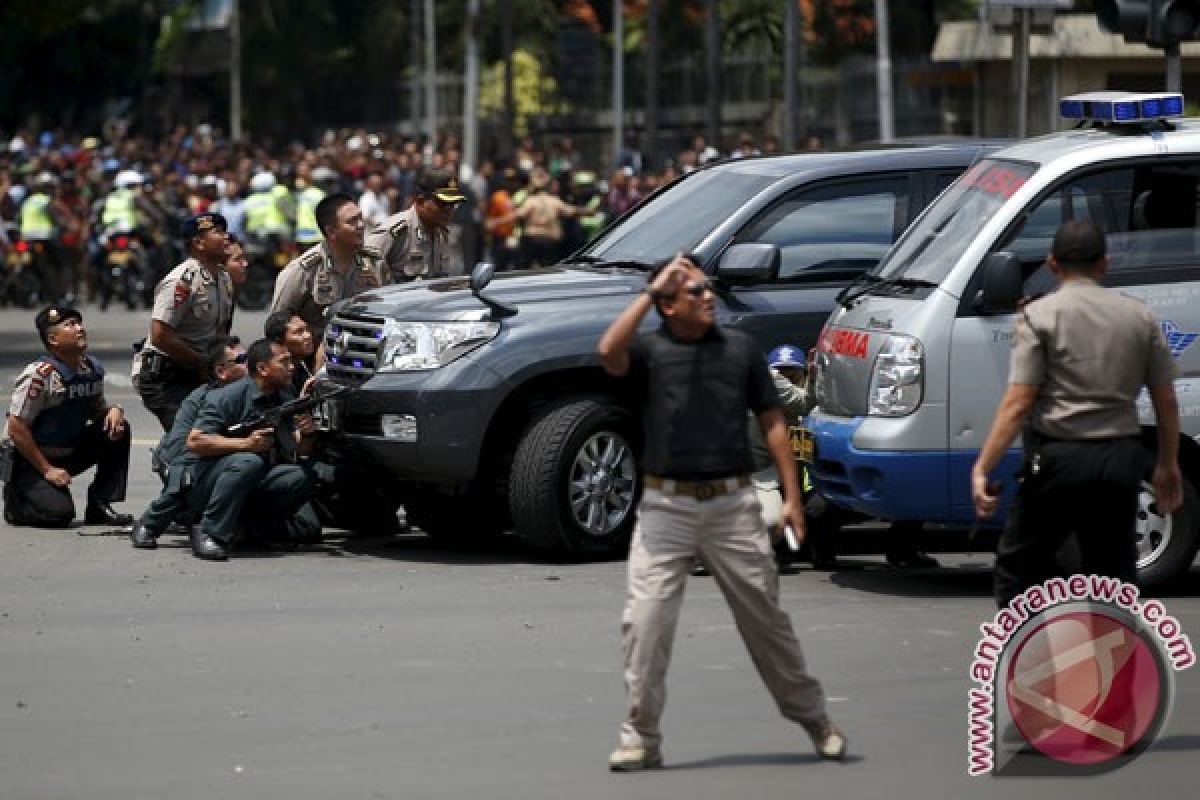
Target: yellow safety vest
x,y
307,231
36,223
263,214
120,212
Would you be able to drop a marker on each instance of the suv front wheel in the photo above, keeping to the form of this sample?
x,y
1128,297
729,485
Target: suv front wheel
x,y
574,483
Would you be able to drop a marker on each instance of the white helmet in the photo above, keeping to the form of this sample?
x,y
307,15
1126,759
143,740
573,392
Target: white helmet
x,y
263,182
127,179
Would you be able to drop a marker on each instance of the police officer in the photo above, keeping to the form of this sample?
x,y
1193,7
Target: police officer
x,y
193,305
171,459
42,219
334,270
250,484
416,243
1082,355
308,194
697,382
59,425
268,209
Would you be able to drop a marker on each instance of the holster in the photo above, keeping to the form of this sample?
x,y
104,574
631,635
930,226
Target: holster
x,y
8,451
156,367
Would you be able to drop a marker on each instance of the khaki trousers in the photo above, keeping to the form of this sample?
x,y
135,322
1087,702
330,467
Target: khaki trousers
x,y
727,533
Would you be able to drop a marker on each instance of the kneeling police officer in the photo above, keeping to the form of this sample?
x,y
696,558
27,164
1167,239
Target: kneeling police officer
x,y
59,425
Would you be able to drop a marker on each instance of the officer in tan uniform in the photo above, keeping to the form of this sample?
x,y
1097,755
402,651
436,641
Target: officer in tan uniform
x,y
193,306
337,269
60,425
416,243
1082,354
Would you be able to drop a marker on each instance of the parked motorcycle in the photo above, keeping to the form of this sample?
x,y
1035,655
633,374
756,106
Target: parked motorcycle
x,y
24,265
121,275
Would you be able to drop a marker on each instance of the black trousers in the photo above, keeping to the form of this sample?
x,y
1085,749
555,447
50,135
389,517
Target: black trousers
x,y
30,499
163,398
1085,488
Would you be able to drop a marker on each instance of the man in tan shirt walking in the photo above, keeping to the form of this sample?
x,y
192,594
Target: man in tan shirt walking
x,y
1082,355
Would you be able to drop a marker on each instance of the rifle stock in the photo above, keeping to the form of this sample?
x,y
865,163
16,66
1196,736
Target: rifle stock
x,y
272,417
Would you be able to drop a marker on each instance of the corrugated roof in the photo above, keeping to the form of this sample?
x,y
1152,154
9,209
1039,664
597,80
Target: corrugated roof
x,y
1075,36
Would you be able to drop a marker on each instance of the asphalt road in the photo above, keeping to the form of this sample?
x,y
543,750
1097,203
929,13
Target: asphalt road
x,y
389,668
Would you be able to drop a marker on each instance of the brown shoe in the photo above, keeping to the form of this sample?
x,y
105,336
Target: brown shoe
x,y
830,743
633,758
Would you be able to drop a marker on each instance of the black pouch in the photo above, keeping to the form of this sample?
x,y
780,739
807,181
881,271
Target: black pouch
x,y
8,452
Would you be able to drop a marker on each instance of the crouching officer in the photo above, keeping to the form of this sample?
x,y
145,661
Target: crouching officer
x,y
416,243
1081,356
193,306
252,485
60,425
172,460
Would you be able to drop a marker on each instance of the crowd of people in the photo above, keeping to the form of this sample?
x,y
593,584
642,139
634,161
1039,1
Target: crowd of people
x,y
72,194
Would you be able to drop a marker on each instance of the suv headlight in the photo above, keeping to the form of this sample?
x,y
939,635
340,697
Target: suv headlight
x,y
411,346
898,377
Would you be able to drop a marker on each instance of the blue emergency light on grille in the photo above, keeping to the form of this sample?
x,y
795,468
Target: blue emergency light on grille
x,y
1120,107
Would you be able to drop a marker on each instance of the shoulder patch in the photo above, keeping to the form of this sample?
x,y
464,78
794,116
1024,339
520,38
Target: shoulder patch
x,y
398,228
311,259
183,290
43,368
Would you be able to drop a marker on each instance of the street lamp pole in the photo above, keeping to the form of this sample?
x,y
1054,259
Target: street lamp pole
x,y
471,93
431,73
883,72
235,72
618,78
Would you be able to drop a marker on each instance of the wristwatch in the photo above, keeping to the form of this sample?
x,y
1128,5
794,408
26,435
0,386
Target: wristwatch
x,y
649,290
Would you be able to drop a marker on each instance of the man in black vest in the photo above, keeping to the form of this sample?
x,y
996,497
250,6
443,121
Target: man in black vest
x,y
59,425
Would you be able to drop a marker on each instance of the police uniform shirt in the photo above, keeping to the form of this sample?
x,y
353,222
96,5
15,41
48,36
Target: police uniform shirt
x,y
1089,350
311,283
174,442
197,305
695,398
57,402
409,250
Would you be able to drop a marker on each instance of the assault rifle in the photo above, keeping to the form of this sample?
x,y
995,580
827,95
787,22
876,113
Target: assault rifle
x,y
273,416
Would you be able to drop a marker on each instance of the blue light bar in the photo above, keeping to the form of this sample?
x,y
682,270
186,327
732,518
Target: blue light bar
x,y
1120,107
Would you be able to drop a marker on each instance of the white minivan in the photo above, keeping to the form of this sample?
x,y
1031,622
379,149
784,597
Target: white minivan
x,y
913,361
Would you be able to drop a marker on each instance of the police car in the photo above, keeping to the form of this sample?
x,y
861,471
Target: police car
x,y
913,361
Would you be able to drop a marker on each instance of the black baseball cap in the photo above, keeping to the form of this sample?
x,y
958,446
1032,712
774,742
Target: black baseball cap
x,y
194,226
49,317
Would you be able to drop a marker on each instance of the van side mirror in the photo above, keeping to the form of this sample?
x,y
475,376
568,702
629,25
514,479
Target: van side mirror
x,y
1001,289
750,262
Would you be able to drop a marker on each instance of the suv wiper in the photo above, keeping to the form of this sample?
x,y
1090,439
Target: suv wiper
x,y
847,297
583,259
596,261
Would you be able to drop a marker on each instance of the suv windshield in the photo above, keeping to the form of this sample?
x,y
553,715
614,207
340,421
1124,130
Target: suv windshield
x,y
929,249
678,219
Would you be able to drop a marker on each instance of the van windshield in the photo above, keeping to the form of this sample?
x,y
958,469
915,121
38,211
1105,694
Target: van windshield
x,y
929,249
678,219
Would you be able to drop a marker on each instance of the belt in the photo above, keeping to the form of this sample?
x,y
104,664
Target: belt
x,y
699,490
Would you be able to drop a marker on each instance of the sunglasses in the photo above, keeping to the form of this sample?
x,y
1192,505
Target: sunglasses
x,y
240,358
698,289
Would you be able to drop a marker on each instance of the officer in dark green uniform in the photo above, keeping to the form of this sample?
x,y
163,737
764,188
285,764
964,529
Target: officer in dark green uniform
x,y
171,459
257,483
59,425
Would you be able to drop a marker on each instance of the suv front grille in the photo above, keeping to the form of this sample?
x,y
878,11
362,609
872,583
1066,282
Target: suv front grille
x,y
352,344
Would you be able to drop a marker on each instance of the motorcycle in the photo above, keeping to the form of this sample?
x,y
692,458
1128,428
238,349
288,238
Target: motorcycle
x,y
24,264
121,275
267,257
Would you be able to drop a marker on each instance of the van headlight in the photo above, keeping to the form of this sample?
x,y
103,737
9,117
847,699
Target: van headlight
x,y
898,378
411,346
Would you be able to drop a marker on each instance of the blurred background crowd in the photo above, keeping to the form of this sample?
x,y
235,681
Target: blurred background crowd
x,y
70,200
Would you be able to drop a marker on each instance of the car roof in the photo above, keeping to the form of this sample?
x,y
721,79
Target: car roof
x,y
955,154
1106,143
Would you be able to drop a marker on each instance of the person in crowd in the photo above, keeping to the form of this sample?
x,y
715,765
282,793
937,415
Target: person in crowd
x,y
541,216
59,425
374,201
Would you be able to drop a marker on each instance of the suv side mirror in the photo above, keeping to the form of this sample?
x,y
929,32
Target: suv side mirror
x,y
750,262
1001,287
481,276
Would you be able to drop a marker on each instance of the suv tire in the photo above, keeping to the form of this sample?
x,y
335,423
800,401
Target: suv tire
x,y
574,483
